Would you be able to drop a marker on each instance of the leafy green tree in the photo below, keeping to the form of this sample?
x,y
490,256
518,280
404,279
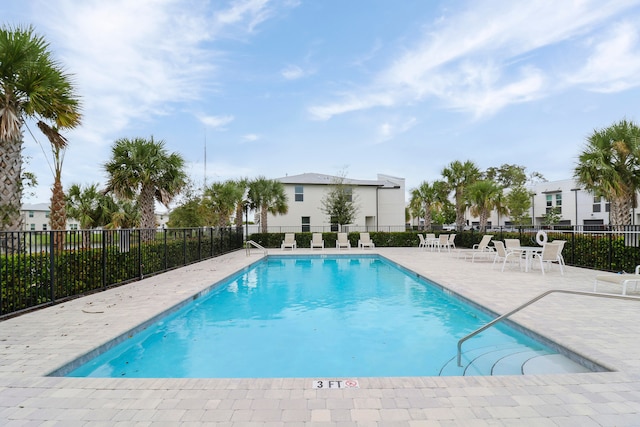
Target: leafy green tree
x,y
190,213
609,166
339,203
432,197
507,175
143,170
482,196
552,217
32,85
518,202
268,196
460,176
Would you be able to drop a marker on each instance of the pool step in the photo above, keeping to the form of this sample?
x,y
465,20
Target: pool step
x,y
510,360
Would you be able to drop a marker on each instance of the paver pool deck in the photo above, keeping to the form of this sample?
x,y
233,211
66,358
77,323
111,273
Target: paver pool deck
x,y
606,331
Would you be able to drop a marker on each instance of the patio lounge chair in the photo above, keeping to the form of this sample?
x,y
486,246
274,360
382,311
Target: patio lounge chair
x,y
289,241
481,249
551,252
365,241
343,241
317,241
623,279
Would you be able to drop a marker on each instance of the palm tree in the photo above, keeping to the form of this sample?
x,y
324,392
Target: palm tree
x,y
223,198
241,189
483,196
459,176
88,206
431,196
122,214
32,85
609,166
144,171
267,195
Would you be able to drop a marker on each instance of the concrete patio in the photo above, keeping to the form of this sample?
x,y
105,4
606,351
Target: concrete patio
x,y
606,331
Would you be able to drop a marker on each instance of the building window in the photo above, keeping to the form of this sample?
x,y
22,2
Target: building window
x,y
596,208
549,201
607,207
349,194
46,214
299,191
44,227
32,227
30,214
596,199
73,226
306,224
559,199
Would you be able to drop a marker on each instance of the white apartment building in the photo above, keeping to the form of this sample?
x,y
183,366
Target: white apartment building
x,y
35,217
381,204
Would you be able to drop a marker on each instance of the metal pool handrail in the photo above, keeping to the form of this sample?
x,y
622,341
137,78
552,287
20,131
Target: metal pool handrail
x,y
531,301
252,243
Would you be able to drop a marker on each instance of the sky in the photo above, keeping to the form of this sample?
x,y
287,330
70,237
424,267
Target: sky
x,y
249,88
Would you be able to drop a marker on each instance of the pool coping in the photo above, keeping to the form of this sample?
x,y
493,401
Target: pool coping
x,y
36,343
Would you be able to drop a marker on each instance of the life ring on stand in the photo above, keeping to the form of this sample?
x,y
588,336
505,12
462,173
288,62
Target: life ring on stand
x,y
541,237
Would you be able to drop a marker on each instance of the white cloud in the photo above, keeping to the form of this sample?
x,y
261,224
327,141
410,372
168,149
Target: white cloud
x,y
479,49
292,72
390,128
614,64
216,122
250,137
352,102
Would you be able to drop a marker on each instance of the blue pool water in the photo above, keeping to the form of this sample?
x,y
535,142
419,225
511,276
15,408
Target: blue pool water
x,y
310,316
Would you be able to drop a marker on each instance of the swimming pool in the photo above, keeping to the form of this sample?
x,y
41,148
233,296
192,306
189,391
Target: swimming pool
x,y
319,316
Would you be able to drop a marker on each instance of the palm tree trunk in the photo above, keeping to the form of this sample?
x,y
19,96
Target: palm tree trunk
x,y
427,216
10,184
148,218
621,212
263,218
58,216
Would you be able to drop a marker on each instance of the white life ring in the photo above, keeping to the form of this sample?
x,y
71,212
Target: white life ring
x,y
541,237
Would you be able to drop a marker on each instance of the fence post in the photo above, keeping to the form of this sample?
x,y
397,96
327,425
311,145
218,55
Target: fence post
x,y
52,266
184,247
104,259
140,265
610,251
166,260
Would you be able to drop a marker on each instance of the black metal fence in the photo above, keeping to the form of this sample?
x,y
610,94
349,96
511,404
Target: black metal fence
x,y
45,267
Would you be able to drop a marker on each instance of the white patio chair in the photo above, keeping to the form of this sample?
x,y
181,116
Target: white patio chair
x,y
551,252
